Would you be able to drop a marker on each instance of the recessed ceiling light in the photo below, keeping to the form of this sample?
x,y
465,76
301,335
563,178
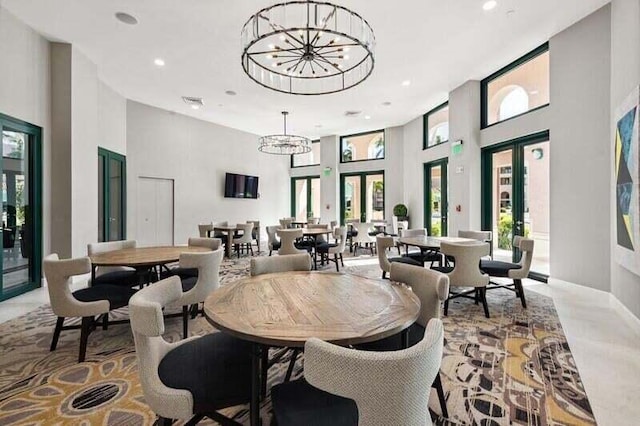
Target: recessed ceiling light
x,y
318,126
195,106
125,18
159,62
406,83
490,5
386,103
367,117
230,93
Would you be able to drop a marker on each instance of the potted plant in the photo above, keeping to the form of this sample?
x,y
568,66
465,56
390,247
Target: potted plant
x,y
400,211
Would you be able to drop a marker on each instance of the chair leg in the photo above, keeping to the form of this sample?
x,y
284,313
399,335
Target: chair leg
x,y
105,321
85,329
56,333
437,383
384,275
270,251
341,260
185,322
251,249
335,259
446,307
265,371
292,363
163,421
483,297
520,289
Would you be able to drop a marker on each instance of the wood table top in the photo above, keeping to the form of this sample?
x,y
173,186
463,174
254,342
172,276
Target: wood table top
x,y
432,242
143,256
286,309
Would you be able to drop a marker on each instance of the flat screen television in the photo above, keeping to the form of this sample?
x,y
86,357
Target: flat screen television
x,y
240,186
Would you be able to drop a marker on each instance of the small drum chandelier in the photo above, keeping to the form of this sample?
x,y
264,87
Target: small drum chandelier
x,y
284,144
307,48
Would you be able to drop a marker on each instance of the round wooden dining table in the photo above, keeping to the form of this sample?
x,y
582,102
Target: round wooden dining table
x,y
286,309
432,243
141,257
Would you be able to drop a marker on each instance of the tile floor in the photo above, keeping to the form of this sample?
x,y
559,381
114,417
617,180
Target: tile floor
x,y
605,346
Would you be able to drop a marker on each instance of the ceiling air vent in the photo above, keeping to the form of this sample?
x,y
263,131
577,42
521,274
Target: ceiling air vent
x,y
190,100
352,113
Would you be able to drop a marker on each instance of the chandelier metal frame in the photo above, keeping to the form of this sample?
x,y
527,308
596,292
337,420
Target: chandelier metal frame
x,y
284,144
300,47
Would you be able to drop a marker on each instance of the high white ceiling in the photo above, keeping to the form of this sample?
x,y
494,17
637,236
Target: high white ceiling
x,y
436,44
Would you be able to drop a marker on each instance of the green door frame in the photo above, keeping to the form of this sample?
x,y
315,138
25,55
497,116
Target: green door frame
x,y
363,192
517,174
35,200
443,163
309,195
106,156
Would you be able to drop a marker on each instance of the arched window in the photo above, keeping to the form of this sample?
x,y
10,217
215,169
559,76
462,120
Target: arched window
x,y
349,153
515,102
439,133
376,148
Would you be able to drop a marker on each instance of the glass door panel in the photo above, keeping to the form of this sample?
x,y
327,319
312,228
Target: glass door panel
x,y
115,200
18,228
374,197
502,204
111,196
436,198
300,197
536,203
305,201
362,196
314,208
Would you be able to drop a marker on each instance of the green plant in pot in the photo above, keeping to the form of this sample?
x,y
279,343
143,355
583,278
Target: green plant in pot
x,y
401,212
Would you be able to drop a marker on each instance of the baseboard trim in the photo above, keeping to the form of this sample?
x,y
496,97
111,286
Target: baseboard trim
x,y
628,316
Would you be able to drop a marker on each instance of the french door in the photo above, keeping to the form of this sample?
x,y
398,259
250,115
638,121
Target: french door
x,y
515,193
435,197
305,197
362,196
21,170
112,196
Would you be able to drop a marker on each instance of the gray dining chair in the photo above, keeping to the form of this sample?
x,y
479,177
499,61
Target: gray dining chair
x,y
515,271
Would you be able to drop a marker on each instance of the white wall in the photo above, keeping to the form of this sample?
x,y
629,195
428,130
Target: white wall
x,y
196,154
625,75
25,91
112,120
580,151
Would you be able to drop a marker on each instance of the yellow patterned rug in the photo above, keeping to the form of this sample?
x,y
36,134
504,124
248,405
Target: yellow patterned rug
x,y
515,368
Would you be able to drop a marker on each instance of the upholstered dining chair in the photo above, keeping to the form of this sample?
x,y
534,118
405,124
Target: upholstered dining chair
x,y
255,232
87,303
351,231
204,229
384,243
420,255
313,221
362,238
343,386
246,239
486,236
466,272
191,378
116,275
286,222
516,271
196,289
210,243
336,249
288,238
272,239
219,234
285,263
319,238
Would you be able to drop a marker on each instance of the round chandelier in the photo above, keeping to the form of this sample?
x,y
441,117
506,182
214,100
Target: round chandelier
x,y
307,48
284,144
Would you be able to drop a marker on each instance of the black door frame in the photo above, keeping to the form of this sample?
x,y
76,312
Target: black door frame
x,y
443,163
363,193
309,194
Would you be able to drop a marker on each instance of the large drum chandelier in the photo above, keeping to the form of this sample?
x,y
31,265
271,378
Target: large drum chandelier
x,y
307,48
284,144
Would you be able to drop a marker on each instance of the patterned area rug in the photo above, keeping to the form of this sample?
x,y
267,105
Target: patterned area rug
x,y
515,368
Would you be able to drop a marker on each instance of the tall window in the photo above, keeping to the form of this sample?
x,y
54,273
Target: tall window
x,y
436,126
305,197
309,159
361,147
516,89
112,172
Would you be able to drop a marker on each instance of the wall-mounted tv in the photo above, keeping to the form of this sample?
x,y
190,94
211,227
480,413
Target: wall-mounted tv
x,y
240,186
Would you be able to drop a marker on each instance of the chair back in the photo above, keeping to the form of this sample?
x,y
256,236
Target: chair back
x,y
418,232
256,228
247,236
319,238
363,233
205,228
147,325
466,271
389,388
333,224
286,222
286,263
210,243
431,287
383,243
58,274
271,235
485,236
287,240
208,280
96,248
313,221
340,234
525,245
